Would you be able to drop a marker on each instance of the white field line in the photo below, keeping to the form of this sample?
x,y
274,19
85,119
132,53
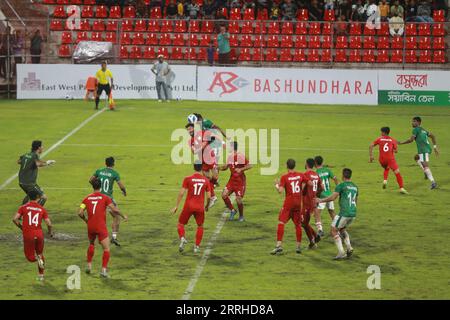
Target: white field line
x,y
201,264
56,145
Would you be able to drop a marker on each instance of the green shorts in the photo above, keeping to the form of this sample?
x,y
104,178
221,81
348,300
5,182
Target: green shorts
x,y
424,157
27,188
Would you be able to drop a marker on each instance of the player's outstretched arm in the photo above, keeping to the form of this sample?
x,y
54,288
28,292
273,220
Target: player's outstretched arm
x,y
81,213
371,158
220,129
332,197
40,163
16,221
336,180
433,139
179,198
122,187
411,139
49,227
279,188
223,167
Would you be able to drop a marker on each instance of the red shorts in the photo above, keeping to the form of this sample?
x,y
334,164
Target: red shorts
x,y
186,214
290,212
100,233
389,163
33,244
236,188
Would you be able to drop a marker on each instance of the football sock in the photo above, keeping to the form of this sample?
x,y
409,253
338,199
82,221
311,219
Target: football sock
x,y
105,259
41,271
319,226
198,236
429,174
338,242
97,100
228,203
399,179
347,239
114,235
90,253
280,232
42,201
181,231
241,209
309,232
298,232
386,173
420,165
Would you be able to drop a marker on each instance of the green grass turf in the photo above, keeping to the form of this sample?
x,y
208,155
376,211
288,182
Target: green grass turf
x,y
407,236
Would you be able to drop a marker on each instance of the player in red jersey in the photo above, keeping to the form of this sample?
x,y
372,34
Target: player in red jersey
x,y
96,204
313,189
387,147
292,183
32,214
196,186
238,164
200,144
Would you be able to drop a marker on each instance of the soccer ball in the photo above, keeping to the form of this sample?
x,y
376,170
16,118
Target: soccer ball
x,y
68,97
192,118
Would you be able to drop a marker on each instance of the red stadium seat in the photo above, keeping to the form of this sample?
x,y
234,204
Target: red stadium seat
x,y
59,12
153,26
66,37
439,56
327,28
301,28
314,28
383,56
115,12
286,41
439,43
76,1
411,42
81,36
224,13
354,56
246,41
176,54
369,31
438,30
271,54
130,12
244,54
369,42
355,42
260,28
166,26
233,27
410,56
138,39
178,40
234,42
326,55
64,51
135,53
247,27
152,39
155,13
313,55
424,29
125,38
368,56
112,25
425,43
397,56
287,28
439,15
302,15
84,25
272,41
340,56
205,40
140,25
384,29
257,54
164,39
87,12
56,25
262,15
127,25
193,40
207,26
123,52
101,11
259,41
249,14
285,55
341,42
301,42
180,26
355,28
97,36
328,15
90,2
314,42
410,29
149,53
202,55
98,25
164,52
235,14
425,56
383,42
299,55
190,54
397,42
327,42
194,26
111,37
273,28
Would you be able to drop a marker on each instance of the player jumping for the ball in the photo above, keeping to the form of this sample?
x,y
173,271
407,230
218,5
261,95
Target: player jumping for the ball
x,y
108,176
32,214
420,135
196,186
238,164
387,147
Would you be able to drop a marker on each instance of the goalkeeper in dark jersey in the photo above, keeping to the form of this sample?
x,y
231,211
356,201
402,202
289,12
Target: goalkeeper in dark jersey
x,y
29,164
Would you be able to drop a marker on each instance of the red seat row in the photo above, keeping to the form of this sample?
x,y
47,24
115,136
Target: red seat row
x,y
115,12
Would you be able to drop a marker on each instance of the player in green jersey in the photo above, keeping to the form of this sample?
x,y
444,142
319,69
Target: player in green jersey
x,y
108,176
347,192
420,135
326,175
29,164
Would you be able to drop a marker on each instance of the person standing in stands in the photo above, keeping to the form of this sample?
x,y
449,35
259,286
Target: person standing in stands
x,y
223,42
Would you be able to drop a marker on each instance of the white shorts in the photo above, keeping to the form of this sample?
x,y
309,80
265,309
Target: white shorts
x,y
424,157
340,222
329,205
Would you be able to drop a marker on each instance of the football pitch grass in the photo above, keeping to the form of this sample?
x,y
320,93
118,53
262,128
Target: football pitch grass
x,y
405,235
